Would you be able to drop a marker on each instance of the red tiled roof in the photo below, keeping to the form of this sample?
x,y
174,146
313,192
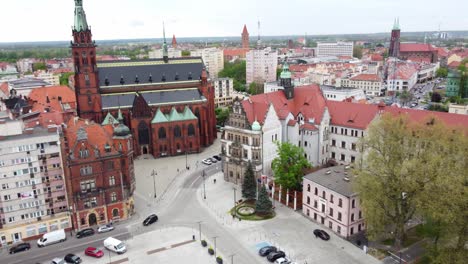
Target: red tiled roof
x,y
411,47
235,52
366,77
244,31
453,120
376,57
39,96
308,100
292,122
403,72
4,88
308,126
300,67
419,59
351,114
442,52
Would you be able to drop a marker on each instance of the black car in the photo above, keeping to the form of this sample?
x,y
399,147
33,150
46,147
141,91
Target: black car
x,y
150,219
85,232
275,255
71,258
264,251
217,157
322,234
20,247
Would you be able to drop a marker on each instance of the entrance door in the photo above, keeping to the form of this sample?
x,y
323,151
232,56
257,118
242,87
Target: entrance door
x,y
92,220
323,220
16,237
3,240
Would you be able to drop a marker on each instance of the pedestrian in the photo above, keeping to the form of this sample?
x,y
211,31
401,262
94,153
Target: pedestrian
x,y
214,180
177,170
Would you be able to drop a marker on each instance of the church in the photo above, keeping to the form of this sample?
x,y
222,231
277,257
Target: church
x,y
168,104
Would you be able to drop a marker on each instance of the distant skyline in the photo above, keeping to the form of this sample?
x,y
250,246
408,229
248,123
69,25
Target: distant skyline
x,y
51,20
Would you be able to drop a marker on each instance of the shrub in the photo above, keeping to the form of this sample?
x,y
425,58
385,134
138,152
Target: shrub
x,y
211,251
203,243
219,260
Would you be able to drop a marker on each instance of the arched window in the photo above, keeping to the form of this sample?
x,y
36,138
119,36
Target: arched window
x,y
177,132
308,200
316,191
191,130
162,133
143,133
115,212
308,187
323,194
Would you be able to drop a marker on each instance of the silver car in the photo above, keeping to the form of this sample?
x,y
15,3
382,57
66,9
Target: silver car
x,y
105,228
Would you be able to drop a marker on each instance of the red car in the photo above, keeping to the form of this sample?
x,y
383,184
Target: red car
x,y
93,252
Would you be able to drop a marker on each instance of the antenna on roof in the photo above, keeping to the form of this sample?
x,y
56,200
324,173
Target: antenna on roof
x,y
259,42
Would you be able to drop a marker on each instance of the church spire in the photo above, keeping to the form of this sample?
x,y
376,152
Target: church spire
x,y
165,51
80,17
396,24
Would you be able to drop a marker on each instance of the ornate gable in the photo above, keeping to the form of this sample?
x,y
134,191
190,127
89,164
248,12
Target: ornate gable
x,y
140,107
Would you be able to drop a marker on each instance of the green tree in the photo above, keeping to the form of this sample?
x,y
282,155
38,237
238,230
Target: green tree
x,y
442,72
39,66
357,52
249,185
400,161
405,97
237,71
221,116
64,78
288,168
186,53
263,204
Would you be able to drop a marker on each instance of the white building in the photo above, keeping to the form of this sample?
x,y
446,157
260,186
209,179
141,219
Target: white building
x,y
25,65
427,72
370,84
24,86
224,91
341,94
48,77
261,65
458,109
335,49
213,59
402,76
33,196
7,68
158,54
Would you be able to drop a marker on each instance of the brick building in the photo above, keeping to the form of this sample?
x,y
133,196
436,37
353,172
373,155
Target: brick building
x,y
99,171
143,90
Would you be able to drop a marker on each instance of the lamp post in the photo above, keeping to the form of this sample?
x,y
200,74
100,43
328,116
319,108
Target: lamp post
x,y
154,173
70,212
234,189
199,229
204,188
232,258
215,244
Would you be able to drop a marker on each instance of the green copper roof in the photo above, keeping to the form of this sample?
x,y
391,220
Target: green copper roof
x,y
175,116
188,115
396,24
285,74
256,126
109,120
80,17
159,117
119,115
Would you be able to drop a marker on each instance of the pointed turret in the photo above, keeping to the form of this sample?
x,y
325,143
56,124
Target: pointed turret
x,y
165,51
174,42
285,81
396,24
245,38
80,17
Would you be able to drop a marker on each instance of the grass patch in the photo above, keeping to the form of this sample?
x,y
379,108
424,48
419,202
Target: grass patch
x,y
251,217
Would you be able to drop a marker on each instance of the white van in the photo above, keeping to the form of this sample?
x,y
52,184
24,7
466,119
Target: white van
x,y
115,245
52,237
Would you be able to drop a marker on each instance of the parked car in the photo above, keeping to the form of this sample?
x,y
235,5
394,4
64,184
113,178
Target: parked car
x,y
85,232
105,228
72,258
322,234
264,251
217,157
58,261
52,237
150,219
115,245
20,247
282,261
275,255
93,252
207,162
213,160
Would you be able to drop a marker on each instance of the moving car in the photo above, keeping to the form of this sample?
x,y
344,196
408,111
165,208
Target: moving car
x,y
20,247
217,157
52,237
282,261
264,251
72,258
150,219
105,228
58,261
93,252
322,234
207,162
85,232
275,255
115,245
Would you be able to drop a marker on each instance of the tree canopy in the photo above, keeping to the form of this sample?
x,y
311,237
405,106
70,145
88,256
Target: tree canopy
x,y
442,72
237,71
357,52
249,185
221,116
413,169
263,204
288,168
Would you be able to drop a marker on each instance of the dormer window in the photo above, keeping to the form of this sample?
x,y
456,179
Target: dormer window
x,y
107,148
84,153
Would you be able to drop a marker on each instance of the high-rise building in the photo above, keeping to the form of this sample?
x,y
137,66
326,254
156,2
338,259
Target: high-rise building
x,y
213,58
33,196
245,38
224,90
394,50
335,49
261,65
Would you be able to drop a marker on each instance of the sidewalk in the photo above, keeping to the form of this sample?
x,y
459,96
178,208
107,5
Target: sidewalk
x,y
288,230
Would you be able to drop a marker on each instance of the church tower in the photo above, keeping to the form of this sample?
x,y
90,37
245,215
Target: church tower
x,y
285,81
88,99
245,38
164,47
394,50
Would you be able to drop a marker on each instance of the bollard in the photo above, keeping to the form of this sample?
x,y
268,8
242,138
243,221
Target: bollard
x,y
193,237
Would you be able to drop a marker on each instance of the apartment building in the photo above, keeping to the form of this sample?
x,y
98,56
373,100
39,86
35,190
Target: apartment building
x,y
261,65
224,91
370,84
328,199
158,54
335,49
33,194
213,58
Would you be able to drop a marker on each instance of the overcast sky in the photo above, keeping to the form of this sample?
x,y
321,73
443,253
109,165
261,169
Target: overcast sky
x,y
48,20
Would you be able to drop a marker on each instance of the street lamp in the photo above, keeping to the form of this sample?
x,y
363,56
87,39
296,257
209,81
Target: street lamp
x,y
234,189
232,258
204,188
154,173
215,244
